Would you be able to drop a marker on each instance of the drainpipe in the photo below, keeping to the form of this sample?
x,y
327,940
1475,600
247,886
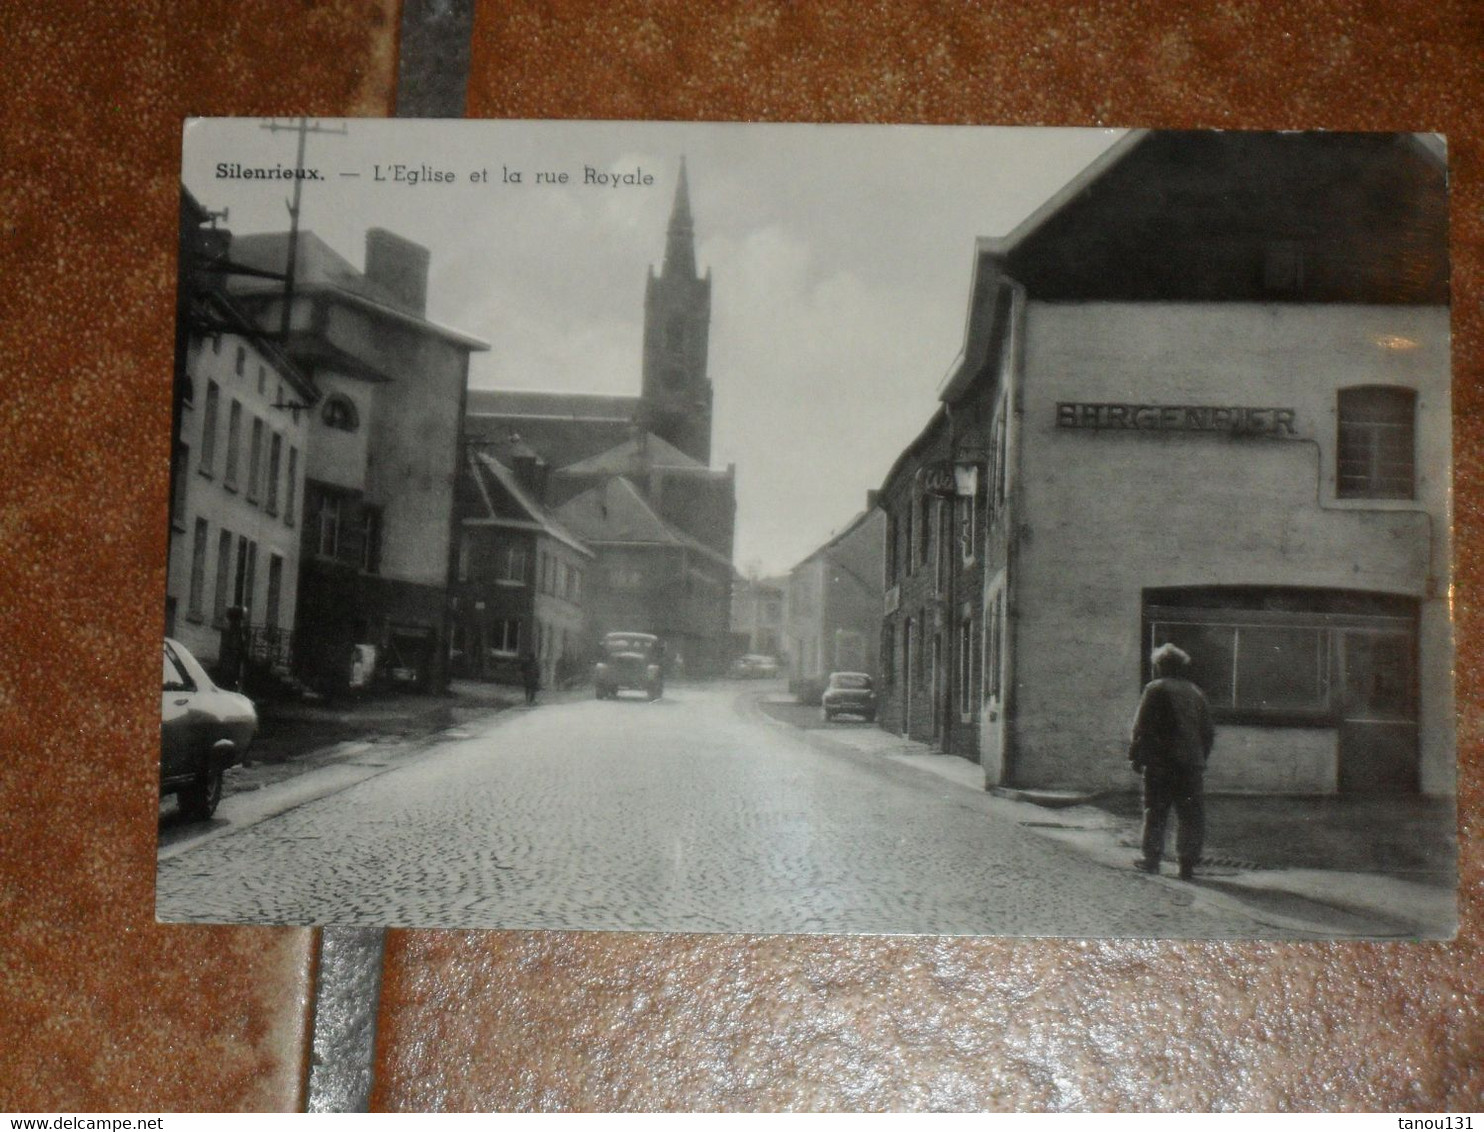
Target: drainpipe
x,y
1013,460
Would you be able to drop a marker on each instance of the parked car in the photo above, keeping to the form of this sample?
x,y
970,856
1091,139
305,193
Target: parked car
x,y
755,666
631,662
849,693
203,730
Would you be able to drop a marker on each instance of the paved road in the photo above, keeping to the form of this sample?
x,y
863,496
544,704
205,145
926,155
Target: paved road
x,y
694,813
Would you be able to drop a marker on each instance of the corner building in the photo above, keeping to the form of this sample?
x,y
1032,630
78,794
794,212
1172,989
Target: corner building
x,y
1208,389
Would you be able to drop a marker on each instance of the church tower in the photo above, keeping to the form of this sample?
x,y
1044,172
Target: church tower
x,y
676,393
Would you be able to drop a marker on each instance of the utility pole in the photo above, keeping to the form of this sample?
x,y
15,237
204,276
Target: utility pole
x,y
303,129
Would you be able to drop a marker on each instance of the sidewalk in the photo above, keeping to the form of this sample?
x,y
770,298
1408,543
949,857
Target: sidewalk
x,y
1385,865
295,736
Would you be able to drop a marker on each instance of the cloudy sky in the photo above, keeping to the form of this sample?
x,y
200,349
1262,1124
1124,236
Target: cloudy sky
x,y
840,258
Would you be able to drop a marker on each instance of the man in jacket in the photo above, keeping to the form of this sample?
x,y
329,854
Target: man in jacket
x,y
1172,740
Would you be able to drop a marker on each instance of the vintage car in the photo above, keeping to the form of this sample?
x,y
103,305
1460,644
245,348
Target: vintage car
x,y
848,693
754,666
203,730
631,662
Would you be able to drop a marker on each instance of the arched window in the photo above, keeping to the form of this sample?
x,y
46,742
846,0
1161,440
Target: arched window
x,y
1376,447
340,412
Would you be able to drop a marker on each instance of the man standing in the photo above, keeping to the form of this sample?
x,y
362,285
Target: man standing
x,y
1171,743
530,675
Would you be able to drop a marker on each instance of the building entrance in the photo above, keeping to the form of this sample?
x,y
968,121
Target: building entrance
x,y
1378,720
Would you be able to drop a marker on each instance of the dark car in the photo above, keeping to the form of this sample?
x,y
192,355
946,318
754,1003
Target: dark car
x,y
849,693
755,666
631,662
203,730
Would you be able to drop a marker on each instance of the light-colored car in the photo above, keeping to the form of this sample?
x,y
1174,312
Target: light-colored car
x,y
755,666
630,661
203,730
849,693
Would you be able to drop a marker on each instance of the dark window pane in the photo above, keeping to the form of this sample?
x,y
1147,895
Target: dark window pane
x,y
1210,648
1279,668
1375,452
1379,680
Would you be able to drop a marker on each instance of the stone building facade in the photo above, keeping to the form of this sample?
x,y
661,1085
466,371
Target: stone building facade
x,y
384,451
1208,389
240,456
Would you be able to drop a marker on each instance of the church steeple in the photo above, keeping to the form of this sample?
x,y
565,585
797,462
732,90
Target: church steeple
x,y
680,240
677,325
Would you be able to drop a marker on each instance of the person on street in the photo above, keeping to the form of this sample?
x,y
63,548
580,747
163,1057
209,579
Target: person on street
x,y
1172,740
530,676
231,663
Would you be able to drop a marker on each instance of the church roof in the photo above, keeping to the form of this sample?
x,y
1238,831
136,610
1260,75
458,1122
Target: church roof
x,y
537,403
616,513
647,450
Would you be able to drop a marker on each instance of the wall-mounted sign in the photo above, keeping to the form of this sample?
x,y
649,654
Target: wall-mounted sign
x,y
947,478
1239,420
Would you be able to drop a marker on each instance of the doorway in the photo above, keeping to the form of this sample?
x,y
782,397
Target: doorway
x,y
1377,701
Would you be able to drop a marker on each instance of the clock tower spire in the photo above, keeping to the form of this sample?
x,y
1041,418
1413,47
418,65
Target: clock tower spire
x,y
676,392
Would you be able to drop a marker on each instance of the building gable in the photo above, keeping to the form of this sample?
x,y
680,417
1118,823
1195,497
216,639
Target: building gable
x,y
1231,216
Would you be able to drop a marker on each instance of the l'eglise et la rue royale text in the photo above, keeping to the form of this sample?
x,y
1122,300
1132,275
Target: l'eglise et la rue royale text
x,y
232,171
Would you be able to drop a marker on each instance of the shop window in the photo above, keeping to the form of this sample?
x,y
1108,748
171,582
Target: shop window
x,y
1287,657
1376,451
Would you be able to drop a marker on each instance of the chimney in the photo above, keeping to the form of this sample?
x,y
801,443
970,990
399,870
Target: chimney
x,y
399,267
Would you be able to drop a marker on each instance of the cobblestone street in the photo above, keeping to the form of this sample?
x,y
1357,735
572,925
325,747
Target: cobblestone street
x,y
693,813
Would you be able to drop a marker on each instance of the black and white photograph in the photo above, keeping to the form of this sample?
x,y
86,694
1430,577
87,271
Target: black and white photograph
x,y
644,526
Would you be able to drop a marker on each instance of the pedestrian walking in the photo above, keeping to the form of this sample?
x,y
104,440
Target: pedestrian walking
x,y
1172,740
231,661
530,676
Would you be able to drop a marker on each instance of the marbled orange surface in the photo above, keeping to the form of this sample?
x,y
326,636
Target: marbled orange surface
x,y
102,1009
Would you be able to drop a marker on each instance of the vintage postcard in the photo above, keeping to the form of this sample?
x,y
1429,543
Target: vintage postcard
x,y
799,528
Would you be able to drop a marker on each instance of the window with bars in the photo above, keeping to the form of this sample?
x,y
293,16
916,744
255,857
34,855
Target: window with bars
x,y
1376,452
